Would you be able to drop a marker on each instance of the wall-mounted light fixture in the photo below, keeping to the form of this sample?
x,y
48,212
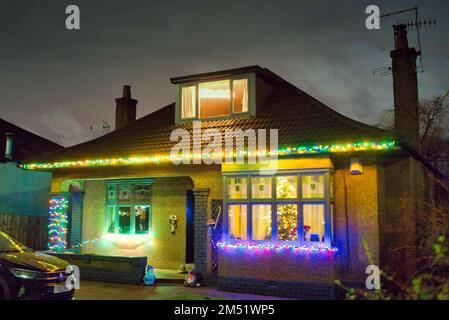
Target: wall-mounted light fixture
x,y
356,166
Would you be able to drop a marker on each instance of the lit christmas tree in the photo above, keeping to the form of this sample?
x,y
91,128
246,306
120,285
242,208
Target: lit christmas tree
x,y
287,213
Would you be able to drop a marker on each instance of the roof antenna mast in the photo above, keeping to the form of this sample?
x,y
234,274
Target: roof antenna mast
x,y
410,25
105,127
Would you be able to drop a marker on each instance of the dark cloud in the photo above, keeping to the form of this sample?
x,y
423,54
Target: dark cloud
x,y
58,82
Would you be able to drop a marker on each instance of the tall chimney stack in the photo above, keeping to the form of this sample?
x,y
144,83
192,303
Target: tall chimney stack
x,y
8,147
125,111
405,89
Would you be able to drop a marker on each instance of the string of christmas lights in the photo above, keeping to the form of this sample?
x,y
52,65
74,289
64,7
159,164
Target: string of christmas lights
x,y
82,244
351,147
270,247
57,224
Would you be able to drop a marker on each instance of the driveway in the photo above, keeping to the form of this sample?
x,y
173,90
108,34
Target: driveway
x,y
90,290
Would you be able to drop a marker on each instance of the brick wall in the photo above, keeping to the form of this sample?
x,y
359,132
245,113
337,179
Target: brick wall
x,y
109,269
200,229
77,221
309,290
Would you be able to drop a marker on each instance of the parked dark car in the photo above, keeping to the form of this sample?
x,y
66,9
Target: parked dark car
x,y
27,274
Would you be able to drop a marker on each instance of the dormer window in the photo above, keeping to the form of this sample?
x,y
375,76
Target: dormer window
x,y
214,99
224,97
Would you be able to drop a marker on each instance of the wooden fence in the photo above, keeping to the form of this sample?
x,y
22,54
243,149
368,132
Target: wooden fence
x,y
30,230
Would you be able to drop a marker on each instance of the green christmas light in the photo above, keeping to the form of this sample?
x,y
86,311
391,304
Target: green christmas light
x,y
57,224
157,159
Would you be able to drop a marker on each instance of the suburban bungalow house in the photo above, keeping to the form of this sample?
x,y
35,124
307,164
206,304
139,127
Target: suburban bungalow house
x,y
341,190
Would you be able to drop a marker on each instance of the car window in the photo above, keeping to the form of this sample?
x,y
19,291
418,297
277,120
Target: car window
x,y
9,244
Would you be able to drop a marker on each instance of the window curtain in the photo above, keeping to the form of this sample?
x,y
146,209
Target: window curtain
x,y
238,222
188,102
314,218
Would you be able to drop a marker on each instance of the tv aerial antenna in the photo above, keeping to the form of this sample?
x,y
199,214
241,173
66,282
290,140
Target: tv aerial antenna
x,y
104,127
416,24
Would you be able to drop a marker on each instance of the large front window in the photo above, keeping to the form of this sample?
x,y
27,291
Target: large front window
x,y
291,207
128,209
214,99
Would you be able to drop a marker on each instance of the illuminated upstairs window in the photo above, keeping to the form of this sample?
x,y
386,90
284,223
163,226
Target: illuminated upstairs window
x,y
213,100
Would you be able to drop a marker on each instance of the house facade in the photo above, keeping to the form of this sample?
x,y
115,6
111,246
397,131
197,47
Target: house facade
x,y
340,195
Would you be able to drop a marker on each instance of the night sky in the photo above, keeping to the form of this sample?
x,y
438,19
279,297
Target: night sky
x,y
57,82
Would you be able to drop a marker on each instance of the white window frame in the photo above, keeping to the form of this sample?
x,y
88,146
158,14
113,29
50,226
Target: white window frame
x,y
116,204
251,81
299,201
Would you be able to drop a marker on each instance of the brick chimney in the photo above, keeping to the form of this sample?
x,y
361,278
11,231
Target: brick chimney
x,y
125,111
405,89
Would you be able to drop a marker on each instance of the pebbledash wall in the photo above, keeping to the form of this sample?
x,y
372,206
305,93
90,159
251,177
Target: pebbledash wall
x,y
164,249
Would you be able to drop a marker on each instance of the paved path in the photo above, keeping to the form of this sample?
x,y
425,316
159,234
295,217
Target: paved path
x,y
112,291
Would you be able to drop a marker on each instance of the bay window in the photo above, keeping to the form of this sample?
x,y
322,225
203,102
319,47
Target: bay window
x,y
128,207
290,207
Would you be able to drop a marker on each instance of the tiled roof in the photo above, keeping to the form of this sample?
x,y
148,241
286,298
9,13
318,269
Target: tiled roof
x,y
25,144
300,119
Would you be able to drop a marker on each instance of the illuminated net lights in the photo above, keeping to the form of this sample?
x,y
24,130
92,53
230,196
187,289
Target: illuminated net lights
x,y
157,159
57,224
269,247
